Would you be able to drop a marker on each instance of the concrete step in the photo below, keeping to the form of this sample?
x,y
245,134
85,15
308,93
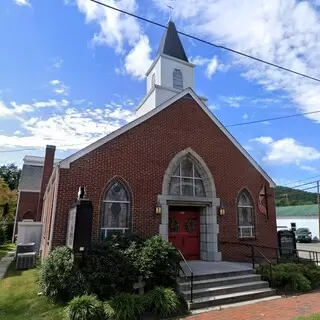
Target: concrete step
x,y
209,276
207,302
219,282
218,291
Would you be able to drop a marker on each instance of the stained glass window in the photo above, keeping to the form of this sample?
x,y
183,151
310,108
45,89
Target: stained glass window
x,y
186,180
116,206
245,215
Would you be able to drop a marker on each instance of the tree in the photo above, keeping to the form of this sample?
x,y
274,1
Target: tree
x,y
10,197
11,175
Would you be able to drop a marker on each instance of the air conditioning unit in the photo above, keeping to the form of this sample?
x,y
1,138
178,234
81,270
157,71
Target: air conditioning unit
x,y
25,260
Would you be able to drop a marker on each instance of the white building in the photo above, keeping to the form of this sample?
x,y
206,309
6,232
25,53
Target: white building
x,y
306,216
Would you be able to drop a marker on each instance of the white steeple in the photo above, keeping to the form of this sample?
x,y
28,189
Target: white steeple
x,y
170,73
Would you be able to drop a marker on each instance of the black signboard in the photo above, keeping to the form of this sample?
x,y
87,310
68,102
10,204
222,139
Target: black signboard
x,y
287,243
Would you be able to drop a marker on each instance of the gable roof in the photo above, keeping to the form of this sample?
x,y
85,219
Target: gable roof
x,y
311,210
188,91
171,44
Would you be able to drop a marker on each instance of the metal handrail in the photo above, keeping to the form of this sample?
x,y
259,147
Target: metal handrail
x,y
314,254
191,273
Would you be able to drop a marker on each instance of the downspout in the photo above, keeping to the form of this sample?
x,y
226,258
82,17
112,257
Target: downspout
x,y
16,218
54,206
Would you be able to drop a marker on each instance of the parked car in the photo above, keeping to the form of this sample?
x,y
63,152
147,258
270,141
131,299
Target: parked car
x,y
303,235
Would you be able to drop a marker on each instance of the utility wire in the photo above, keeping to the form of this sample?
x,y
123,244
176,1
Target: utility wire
x,y
17,150
271,119
287,184
207,42
293,193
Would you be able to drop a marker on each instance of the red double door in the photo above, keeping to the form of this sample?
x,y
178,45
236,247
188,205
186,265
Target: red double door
x,y
184,233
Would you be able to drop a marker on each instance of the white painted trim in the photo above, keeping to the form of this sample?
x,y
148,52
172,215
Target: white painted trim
x,y
170,58
65,164
54,209
26,190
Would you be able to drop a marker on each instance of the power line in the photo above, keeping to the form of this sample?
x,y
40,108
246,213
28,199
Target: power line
x,y
207,42
17,150
287,184
293,193
270,119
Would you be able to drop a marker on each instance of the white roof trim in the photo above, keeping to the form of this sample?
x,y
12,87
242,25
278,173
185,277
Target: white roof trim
x,y
65,164
26,190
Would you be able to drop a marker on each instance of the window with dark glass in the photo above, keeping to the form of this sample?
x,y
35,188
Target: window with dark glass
x,y
115,213
245,215
186,180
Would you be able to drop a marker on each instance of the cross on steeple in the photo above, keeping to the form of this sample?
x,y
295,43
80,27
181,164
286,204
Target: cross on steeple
x,y
170,15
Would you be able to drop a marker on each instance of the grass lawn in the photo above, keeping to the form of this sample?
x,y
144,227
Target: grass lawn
x,y
19,298
311,317
6,247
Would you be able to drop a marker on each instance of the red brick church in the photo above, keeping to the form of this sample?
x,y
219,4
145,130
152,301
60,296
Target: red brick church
x,y
174,171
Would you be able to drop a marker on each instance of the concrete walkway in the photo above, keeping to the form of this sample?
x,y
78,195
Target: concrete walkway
x,y
5,262
279,309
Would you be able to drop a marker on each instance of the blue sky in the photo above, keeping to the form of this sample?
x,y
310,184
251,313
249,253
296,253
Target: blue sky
x,y
72,72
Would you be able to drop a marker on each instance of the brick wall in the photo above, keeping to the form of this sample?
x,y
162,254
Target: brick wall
x,y
28,204
141,156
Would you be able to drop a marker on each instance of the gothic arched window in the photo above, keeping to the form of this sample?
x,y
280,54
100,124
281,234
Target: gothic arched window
x,y
245,215
186,180
116,210
177,79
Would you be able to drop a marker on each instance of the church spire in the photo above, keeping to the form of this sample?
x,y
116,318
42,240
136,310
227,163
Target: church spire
x,y
171,44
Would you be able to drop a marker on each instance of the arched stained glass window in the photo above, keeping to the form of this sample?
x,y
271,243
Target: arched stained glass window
x,y
116,210
186,180
245,215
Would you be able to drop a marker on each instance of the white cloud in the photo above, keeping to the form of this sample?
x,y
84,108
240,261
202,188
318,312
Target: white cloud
x,y
59,87
57,63
22,2
16,109
233,101
73,128
263,140
245,116
118,30
309,168
284,32
287,150
138,60
212,67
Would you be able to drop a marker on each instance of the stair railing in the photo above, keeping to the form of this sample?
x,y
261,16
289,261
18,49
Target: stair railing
x,y
188,278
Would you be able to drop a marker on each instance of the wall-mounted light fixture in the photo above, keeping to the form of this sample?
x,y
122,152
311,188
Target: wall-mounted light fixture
x,y
222,210
158,208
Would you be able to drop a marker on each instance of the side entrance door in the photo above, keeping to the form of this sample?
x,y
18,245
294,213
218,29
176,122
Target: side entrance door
x,y
184,233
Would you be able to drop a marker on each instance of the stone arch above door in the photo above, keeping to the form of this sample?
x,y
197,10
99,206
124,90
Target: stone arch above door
x,y
205,200
202,168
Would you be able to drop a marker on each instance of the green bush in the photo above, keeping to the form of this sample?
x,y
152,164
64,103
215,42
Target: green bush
x,y
157,262
124,240
161,302
85,308
125,306
292,276
57,277
108,269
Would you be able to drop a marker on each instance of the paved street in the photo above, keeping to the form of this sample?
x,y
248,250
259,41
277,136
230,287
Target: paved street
x,y
309,247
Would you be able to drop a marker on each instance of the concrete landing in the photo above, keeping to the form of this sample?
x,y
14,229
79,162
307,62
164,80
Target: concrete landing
x,y
200,267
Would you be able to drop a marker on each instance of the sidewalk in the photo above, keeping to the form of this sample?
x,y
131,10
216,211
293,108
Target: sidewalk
x,y
5,262
279,309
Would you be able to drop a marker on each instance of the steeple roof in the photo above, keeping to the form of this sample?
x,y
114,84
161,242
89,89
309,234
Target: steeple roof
x,y
171,44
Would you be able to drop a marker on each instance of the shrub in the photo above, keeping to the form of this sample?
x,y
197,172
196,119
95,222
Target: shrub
x,y
85,308
125,240
125,306
292,276
161,302
157,261
57,277
108,270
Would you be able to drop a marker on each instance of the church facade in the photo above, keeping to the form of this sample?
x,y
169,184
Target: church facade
x,y
174,171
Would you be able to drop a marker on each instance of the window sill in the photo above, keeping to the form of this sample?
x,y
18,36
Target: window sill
x,y
247,238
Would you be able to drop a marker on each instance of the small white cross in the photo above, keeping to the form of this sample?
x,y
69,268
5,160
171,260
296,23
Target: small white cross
x,y
170,8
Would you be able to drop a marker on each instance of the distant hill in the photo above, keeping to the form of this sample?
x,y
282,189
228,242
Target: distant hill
x,y
293,197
